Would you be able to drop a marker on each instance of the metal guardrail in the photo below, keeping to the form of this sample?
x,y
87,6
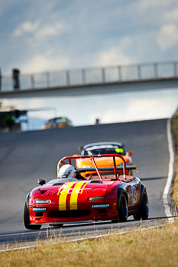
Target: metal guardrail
x,y
91,76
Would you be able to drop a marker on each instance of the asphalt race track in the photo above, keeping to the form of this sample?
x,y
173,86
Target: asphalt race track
x,y
27,156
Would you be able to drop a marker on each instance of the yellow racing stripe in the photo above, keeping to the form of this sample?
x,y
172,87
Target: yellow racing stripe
x,y
63,195
78,189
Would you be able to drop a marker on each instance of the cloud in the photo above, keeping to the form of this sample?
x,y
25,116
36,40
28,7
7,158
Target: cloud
x,y
114,55
120,32
39,30
44,62
171,15
144,5
26,27
140,109
167,36
51,30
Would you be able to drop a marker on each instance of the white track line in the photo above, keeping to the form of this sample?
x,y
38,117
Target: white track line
x,y
170,172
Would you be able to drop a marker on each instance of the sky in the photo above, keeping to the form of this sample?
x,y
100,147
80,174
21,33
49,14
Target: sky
x,y
39,35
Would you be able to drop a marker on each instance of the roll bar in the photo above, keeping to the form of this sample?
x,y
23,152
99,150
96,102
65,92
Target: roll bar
x,y
92,158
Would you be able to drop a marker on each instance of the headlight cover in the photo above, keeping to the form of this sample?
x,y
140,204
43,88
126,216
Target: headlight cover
x,y
96,198
42,201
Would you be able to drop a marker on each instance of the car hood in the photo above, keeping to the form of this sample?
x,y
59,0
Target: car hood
x,y
73,193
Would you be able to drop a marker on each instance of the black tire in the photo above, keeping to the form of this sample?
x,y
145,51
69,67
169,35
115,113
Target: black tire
x,y
123,209
27,223
143,210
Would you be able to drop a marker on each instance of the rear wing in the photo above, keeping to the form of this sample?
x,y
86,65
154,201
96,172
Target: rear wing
x,y
128,167
96,169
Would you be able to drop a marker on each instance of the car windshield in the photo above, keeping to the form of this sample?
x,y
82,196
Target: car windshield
x,y
104,149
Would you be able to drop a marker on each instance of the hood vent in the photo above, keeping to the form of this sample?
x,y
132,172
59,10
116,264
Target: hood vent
x,y
43,191
96,182
58,183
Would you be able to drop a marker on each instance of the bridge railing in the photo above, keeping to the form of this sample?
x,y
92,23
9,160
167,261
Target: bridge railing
x,y
91,76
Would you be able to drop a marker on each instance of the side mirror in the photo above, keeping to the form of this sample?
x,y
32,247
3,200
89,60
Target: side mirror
x,y
41,181
130,153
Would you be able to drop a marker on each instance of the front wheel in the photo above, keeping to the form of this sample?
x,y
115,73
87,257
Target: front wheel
x,y
27,223
123,209
143,210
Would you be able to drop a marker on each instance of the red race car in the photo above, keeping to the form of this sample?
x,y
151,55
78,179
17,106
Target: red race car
x,y
105,195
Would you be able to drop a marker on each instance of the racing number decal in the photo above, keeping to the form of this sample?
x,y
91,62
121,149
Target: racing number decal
x,y
134,194
68,194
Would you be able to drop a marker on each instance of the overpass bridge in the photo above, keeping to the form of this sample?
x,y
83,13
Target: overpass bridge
x,y
104,80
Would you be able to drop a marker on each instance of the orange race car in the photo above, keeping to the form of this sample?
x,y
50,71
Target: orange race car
x,y
103,148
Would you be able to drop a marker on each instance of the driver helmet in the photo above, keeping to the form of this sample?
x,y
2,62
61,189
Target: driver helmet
x,y
66,171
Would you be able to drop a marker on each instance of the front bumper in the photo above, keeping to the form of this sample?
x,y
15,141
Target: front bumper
x,y
40,214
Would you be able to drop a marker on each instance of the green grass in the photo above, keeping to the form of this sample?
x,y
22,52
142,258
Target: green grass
x,y
153,247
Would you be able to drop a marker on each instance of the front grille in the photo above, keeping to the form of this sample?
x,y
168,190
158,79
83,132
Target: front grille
x,y
39,214
68,213
102,211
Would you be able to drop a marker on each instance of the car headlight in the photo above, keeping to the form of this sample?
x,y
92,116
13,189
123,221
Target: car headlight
x,y
96,198
42,201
